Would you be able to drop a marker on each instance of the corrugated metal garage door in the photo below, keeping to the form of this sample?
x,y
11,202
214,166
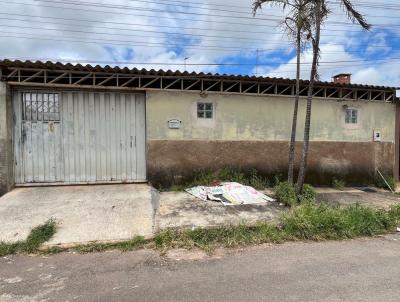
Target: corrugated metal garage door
x,y
79,137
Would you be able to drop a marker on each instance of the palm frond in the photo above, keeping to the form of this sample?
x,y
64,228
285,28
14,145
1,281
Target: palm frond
x,y
355,15
257,4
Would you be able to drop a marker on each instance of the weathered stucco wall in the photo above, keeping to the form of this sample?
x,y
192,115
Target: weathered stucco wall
x,y
263,118
253,132
6,155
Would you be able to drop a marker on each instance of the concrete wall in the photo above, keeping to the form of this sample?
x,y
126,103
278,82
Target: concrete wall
x,y
253,132
6,146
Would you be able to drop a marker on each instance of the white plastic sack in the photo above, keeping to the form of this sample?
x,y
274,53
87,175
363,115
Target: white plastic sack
x,y
230,193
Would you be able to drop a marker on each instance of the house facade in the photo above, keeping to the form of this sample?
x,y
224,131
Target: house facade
x,y
74,124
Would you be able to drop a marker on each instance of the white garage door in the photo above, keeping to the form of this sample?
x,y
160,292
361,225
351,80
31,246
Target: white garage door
x,y
79,137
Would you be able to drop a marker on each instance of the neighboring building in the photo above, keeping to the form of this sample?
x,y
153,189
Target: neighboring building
x,y
73,124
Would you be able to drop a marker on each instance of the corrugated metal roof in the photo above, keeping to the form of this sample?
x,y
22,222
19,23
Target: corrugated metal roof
x,y
110,69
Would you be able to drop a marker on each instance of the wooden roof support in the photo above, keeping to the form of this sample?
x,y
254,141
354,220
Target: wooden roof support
x,y
59,77
106,80
87,76
24,76
35,75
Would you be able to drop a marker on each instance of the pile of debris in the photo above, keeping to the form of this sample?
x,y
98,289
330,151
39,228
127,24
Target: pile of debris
x,y
230,193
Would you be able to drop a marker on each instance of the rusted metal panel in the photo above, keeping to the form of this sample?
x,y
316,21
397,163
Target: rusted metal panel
x,y
79,137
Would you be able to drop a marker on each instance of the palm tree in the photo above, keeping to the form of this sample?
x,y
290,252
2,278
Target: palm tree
x,y
319,13
296,25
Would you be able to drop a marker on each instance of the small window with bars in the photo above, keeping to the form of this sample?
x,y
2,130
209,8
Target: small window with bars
x,y
351,116
205,110
41,107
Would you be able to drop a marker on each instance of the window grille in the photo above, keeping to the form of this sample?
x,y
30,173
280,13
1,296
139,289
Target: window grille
x,y
41,107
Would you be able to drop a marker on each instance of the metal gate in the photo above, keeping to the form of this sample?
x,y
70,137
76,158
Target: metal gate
x,y
79,137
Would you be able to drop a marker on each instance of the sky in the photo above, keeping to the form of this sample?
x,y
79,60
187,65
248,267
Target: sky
x,y
200,36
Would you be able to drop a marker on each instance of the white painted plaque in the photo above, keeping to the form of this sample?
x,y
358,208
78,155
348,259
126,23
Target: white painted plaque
x,y
174,124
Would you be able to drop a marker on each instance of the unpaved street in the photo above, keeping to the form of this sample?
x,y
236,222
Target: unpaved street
x,y
358,270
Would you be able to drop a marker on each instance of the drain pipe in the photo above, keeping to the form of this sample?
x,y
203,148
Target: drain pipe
x,y
380,174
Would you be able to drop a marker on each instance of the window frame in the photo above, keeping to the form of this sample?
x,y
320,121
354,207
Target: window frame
x,y
205,110
351,116
41,106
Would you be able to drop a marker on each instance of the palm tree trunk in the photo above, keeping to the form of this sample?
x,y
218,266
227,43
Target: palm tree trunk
x,y
295,110
306,141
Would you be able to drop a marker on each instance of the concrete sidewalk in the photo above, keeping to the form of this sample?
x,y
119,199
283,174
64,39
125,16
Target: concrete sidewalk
x,y
367,196
119,212
180,209
83,213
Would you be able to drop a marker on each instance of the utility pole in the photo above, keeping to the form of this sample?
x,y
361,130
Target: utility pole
x,y
257,52
184,62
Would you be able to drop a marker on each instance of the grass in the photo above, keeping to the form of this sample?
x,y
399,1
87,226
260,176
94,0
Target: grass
x,y
204,178
380,183
35,239
304,222
325,222
286,193
338,184
125,246
307,221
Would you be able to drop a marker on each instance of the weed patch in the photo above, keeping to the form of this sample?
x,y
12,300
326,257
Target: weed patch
x,y
316,222
304,222
227,236
338,184
308,194
286,193
129,245
36,238
206,178
380,183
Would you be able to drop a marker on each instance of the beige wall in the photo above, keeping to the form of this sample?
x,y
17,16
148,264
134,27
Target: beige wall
x,y
254,118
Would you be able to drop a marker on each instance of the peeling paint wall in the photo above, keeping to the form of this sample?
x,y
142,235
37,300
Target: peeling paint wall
x,y
254,132
264,118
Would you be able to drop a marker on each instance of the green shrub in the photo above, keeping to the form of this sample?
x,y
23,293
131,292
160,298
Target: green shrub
x,y
285,193
308,194
394,213
338,184
380,183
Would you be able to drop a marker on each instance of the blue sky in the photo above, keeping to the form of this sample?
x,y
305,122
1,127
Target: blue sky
x,y
160,34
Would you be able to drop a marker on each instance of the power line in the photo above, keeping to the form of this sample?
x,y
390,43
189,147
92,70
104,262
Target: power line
x,y
392,60
126,43
161,11
207,6
185,5
145,25
127,7
141,36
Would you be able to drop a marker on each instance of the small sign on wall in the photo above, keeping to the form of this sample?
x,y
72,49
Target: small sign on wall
x,y
174,124
377,136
